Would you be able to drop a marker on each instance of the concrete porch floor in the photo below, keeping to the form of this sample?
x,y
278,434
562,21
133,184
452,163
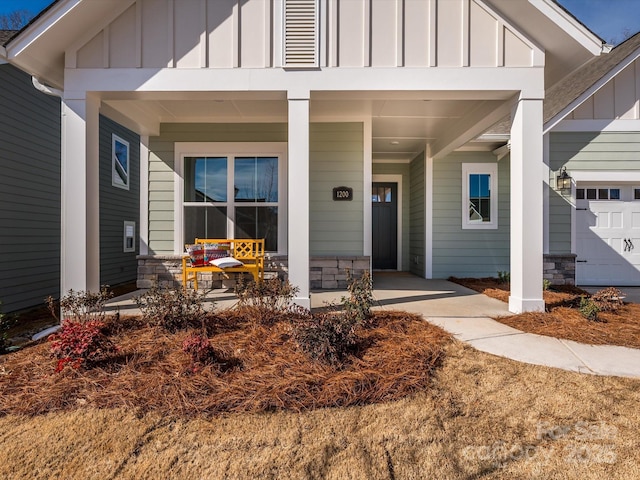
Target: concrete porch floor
x,y
466,315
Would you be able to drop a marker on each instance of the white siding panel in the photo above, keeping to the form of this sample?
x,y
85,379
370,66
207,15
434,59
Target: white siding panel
x,y
252,34
483,38
188,27
220,24
122,40
90,56
155,36
450,33
625,93
351,33
516,52
416,33
603,102
384,35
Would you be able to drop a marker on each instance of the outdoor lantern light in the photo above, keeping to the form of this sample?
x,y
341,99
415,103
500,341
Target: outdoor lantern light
x,y
563,181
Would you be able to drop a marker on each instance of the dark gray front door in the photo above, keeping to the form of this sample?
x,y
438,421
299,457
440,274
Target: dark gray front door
x,y
385,225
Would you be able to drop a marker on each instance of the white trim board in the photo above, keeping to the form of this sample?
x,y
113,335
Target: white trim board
x,y
603,176
597,126
393,178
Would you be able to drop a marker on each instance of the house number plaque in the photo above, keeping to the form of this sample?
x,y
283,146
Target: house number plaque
x,y
342,193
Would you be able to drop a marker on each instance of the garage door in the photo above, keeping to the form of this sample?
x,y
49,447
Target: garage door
x,y
608,235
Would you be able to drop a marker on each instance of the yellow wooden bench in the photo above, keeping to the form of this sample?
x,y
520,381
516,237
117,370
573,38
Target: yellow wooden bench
x,y
249,251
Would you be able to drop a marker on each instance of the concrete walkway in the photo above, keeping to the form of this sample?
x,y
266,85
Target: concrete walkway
x,y
466,315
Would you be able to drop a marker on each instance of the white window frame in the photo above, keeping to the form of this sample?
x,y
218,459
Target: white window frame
x,y
129,227
230,150
114,174
490,169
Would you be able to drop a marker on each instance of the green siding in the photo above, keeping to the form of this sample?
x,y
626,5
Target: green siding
x,y
467,253
29,192
336,159
400,169
417,216
117,206
584,151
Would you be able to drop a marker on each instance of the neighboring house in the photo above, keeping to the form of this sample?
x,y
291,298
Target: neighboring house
x,y
347,133
592,129
30,195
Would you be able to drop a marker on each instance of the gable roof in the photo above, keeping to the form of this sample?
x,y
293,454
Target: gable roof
x,y
5,35
564,97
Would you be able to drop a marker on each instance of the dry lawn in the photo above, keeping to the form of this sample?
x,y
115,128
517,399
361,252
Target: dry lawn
x,y
484,417
563,319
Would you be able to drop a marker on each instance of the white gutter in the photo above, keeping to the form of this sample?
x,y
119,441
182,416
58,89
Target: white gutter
x,y
54,92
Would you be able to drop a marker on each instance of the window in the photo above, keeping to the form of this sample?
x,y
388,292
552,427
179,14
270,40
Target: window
x,y
233,195
598,193
479,195
129,237
119,162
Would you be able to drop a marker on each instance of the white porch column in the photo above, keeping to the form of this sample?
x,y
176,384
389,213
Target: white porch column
x,y
526,207
298,184
80,242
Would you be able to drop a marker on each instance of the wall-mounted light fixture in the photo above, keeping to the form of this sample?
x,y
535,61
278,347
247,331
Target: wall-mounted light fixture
x,y
563,181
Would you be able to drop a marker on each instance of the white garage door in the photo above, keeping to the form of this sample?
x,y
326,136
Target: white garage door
x,y
608,235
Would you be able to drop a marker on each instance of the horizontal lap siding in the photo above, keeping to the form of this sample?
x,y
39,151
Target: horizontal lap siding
x,y
161,167
584,151
400,169
336,159
29,192
117,206
417,216
467,253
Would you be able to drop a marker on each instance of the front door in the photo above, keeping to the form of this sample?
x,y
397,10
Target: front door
x,y
385,226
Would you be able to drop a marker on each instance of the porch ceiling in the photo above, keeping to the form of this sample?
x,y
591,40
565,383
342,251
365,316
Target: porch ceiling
x,y
402,124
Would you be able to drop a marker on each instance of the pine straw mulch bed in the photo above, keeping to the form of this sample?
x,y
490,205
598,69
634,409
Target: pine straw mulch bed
x,y
562,318
396,355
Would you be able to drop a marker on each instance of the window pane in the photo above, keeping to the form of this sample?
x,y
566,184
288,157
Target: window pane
x,y
591,193
480,197
603,194
205,179
580,194
614,194
636,193
387,194
204,222
258,222
256,179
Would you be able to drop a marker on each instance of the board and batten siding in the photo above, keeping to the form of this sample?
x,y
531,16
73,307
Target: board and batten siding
x,y
336,159
351,33
584,151
117,206
400,169
417,216
467,253
29,192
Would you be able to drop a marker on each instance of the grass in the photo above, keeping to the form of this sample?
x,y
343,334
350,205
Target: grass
x,y
483,417
562,318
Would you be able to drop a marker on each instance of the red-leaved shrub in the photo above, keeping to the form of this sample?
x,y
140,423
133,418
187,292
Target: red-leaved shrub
x,y
79,343
199,349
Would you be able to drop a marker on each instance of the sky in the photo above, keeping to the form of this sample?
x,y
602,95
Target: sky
x,y
610,19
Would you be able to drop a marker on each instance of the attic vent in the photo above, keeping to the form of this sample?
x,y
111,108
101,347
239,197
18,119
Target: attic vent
x,y
300,33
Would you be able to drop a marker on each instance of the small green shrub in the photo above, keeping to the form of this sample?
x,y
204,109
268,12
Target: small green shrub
x,y
608,299
546,284
81,306
504,277
589,309
360,300
78,343
6,322
171,308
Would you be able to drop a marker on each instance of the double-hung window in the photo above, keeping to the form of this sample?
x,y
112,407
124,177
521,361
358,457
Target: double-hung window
x,y
232,191
479,195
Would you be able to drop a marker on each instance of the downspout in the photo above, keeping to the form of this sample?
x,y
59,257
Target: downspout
x,y
54,92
